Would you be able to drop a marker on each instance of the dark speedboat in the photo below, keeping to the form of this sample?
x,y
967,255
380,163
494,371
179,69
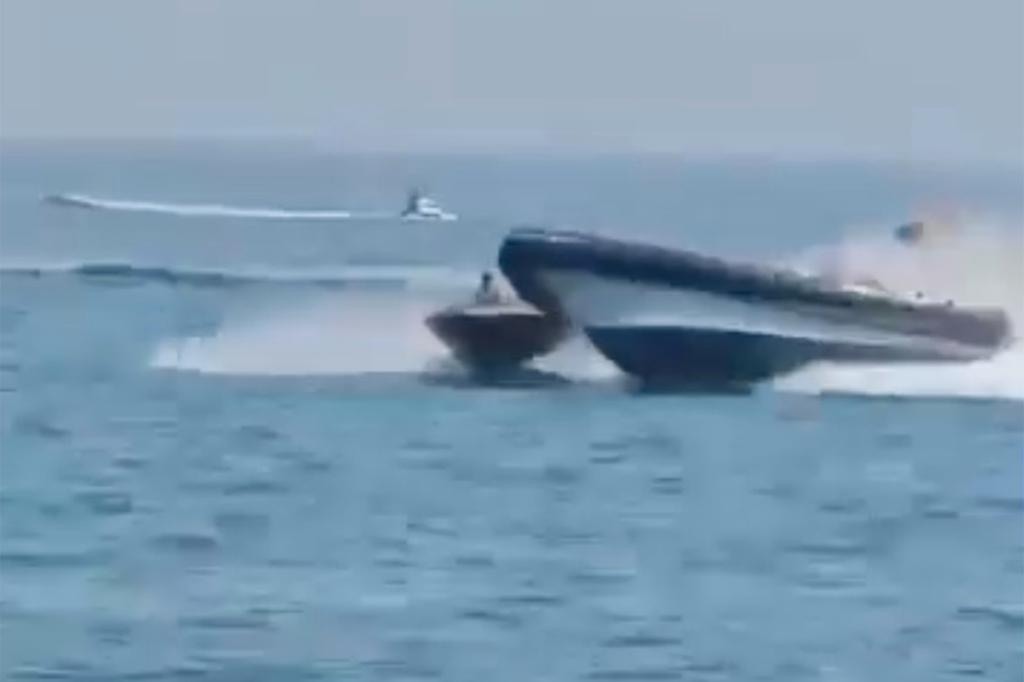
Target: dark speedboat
x,y
671,316
496,336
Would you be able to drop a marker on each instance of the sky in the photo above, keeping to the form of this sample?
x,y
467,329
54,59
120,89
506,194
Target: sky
x,y
906,79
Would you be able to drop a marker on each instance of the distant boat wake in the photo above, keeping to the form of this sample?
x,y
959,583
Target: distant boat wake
x,y
83,201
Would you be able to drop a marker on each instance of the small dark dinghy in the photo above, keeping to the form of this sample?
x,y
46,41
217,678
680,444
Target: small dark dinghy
x,y
497,336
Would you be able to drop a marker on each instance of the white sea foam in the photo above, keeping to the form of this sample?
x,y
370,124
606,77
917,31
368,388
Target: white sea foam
x,y
347,333
212,210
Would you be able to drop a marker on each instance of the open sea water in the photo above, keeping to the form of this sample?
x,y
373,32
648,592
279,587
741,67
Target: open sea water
x,y
231,451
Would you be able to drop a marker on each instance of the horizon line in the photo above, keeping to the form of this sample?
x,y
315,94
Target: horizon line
x,y
556,149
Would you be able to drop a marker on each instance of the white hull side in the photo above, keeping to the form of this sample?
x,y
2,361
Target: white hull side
x,y
594,301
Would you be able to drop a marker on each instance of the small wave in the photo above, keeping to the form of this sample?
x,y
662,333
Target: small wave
x,y
333,277
84,201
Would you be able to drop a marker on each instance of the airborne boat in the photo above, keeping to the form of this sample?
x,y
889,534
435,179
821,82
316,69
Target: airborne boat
x,y
672,316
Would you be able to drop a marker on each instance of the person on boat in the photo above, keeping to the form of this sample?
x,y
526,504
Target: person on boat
x,y
487,293
910,233
412,203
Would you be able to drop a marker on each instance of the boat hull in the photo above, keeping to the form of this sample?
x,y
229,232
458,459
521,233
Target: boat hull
x,y
496,337
682,356
442,217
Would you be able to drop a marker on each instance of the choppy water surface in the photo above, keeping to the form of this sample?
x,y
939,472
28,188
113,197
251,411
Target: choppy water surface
x,y
231,452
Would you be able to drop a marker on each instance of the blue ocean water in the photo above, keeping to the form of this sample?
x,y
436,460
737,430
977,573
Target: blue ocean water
x,y
230,451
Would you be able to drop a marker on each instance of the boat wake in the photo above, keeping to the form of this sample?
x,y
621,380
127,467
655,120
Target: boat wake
x,y
211,210
332,334
349,333
1000,377
382,332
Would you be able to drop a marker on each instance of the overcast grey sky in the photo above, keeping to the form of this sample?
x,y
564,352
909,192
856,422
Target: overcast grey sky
x,y
908,79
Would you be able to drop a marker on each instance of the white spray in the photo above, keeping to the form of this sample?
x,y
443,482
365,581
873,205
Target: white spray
x,y
971,262
343,333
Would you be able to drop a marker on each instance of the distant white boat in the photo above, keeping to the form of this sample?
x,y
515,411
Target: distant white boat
x,y
421,207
